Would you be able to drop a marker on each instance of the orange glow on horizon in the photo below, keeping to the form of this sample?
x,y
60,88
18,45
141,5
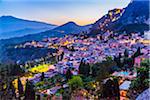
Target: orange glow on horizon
x,y
62,21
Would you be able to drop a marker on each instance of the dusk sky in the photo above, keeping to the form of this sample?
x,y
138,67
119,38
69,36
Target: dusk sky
x,y
60,11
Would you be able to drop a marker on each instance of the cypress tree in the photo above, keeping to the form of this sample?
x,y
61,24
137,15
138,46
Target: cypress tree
x,y
29,91
12,88
87,69
126,53
81,67
68,74
137,53
20,87
116,89
42,76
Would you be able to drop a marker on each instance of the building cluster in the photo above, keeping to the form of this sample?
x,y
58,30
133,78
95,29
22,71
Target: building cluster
x,y
91,50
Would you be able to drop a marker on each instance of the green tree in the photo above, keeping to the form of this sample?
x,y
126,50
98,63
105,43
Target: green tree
x,y
145,63
109,58
104,69
140,83
76,82
143,72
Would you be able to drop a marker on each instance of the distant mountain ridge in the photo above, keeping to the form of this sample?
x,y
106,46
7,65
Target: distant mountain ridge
x,y
65,29
11,25
72,28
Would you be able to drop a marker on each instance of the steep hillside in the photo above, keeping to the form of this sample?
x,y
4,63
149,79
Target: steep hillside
x,y
133,18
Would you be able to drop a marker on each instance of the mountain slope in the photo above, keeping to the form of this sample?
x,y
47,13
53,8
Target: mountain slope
x,y
7,44
68,28
71,28
133,18
21,32
10,25
30,37
136,12
102,24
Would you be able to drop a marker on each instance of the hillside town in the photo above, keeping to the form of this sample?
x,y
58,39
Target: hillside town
x,y
104,60
75,60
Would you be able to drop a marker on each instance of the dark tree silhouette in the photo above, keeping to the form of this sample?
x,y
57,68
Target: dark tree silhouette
x,y
62,55
84,68
15,69
126,53
116,89
87,69
68,74
131,62
94,71
29,91
27,88
118,60
81,69
108,89
42,76
111,89
20,87
66,95
137,53
72,48
12,88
